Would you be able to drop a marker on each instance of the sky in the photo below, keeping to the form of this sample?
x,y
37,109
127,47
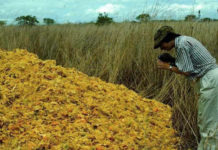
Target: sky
x,y
80,11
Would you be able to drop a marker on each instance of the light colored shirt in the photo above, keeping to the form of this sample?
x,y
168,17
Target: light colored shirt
x,y
193,57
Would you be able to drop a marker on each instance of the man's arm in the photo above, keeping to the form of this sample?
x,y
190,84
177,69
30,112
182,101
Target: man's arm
x,y
166,66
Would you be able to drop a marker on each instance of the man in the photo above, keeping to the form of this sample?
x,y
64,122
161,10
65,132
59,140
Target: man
x,y
195,62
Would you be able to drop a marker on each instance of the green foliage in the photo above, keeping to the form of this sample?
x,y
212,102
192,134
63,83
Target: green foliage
x,y
190,18
48,21
2,23
27,20
143,17
104,19
206,19
129,21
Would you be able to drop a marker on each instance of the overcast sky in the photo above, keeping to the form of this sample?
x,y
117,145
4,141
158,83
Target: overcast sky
x,y
63,11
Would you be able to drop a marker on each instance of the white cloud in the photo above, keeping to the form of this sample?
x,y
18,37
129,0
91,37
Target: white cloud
x,y
68,15
86,10
179,6
181,10
199,6
90,11
109,8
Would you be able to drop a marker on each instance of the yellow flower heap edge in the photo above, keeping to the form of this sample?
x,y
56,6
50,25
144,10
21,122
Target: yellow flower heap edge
x,y
45,106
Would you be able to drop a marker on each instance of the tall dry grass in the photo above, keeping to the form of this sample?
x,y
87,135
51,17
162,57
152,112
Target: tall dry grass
x,y
121,53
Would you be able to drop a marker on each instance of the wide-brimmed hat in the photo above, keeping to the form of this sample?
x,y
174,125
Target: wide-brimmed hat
x,y
161,34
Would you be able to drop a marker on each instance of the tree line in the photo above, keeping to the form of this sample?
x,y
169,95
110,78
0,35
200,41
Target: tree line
x,y
30,20
102,18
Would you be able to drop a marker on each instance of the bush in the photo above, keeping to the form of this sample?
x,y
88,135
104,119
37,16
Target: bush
x,y
2,23
48,21
104,19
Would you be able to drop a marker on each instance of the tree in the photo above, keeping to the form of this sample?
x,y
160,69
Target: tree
x,y
103,19
2,23
48,21
143,17
190,18
206,19
27,20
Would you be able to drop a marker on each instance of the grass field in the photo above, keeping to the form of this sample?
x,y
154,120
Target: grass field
x,y
121,53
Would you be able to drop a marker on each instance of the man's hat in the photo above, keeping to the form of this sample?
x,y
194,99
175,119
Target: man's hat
x,y
161,34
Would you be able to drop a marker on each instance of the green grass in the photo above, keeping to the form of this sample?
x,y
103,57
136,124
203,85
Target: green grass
x,y
121,53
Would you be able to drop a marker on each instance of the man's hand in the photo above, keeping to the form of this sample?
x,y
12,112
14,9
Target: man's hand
x,y
162,65
166,66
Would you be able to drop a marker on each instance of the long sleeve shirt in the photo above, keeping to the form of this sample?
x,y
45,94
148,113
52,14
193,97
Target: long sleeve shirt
x,y
193,57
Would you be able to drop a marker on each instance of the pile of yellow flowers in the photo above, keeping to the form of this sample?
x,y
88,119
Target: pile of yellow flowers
x,y
45,106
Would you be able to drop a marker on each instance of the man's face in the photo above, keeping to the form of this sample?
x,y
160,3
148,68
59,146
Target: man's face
x,y
166,46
